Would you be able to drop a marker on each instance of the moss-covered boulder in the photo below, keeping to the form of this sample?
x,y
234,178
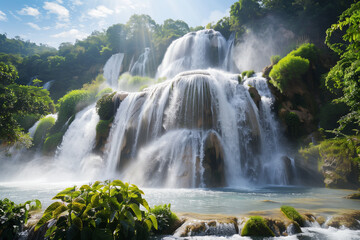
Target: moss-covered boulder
x,y
256,226
105,107
52,142
42,129
254,94
293,215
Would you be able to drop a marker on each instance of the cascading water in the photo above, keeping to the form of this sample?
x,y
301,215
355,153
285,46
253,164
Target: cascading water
x,y
112,69
140,66
197,50
199,129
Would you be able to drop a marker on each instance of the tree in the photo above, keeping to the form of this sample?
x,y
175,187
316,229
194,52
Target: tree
x,y
345,75
18,99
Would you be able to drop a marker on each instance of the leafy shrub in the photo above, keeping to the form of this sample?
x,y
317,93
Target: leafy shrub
x,y
292,214
165,218
134,83
307,51
14,216
256,226
103,210
42,129
274,59
70,104
94,86
105,107
288,68
330,113
51,142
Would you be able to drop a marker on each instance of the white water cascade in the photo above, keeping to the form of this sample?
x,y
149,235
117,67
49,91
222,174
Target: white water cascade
x,y
112,69
139,67
200,129
197,50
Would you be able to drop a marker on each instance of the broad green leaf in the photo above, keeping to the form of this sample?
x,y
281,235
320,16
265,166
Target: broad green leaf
x,y
77,207
52,207
59,210
118,183
148,224
44,219
136,210
145,204
65,192
78,223
95,200
154,221
85,187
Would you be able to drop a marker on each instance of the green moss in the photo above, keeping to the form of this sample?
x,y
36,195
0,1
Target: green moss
x,y
274,59
292,214
307,51
103,128
247,73
256,226
52,142
105,107
42,129
287,69
70,104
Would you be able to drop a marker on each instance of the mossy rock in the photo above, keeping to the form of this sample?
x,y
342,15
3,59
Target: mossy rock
x,y
349,220
42,129
106,107
52,142
293,215
256,226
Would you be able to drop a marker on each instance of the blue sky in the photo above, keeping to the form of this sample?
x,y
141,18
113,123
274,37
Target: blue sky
x,y
55,21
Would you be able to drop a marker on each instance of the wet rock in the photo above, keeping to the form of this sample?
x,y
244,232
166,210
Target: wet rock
x,y
349,220
208,227
255,96
213,162
353,196
293,228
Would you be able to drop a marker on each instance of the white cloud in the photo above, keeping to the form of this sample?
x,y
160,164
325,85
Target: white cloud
x,y
77,3
55,8
2,16
73,33
100,12
29,11
215,16
60,25
34,26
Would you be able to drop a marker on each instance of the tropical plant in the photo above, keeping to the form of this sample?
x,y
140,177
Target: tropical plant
x,y
165,218
102,210
14,216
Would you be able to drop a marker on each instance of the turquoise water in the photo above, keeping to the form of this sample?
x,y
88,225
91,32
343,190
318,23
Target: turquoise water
x,y
207,201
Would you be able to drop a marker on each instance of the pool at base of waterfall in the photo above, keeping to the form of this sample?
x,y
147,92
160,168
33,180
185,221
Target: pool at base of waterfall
x,y
238,202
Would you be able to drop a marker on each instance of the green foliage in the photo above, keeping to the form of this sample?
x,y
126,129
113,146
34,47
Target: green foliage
x,y
13,217
17,99
105,107
94,86
256,226
26,121
165,218
345,74
287,69
292,214
274,59
244,12
330,113
51,142
71,103
134,83
307,51
102,210
42,129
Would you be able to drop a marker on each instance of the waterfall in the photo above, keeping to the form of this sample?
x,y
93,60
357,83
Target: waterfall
x,y
112,69
75,152
48,85
200,128
197,50
139,67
